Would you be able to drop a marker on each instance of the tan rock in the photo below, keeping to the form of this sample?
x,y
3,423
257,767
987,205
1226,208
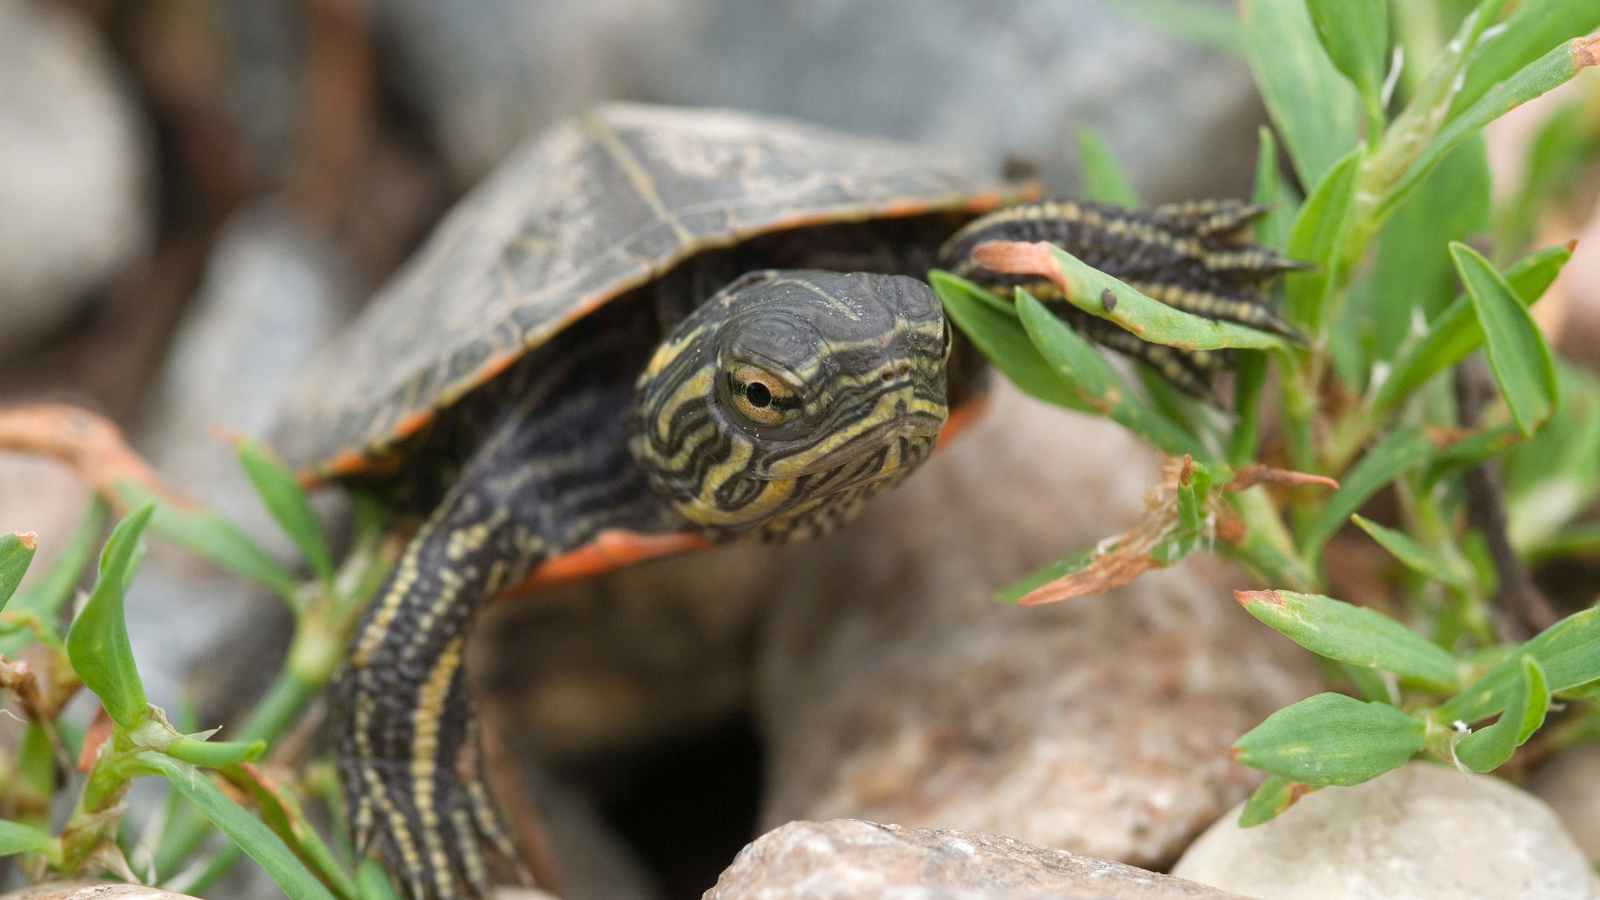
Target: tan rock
x,y
894,688
1570,783
1423,831
845,858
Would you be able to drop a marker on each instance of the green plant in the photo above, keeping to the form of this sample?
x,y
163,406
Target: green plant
x,y
213,784
1368,403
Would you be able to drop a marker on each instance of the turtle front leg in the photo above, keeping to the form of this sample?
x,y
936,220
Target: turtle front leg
x,y
409,759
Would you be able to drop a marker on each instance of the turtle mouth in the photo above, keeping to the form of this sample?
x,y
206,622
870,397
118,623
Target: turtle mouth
x,y
907,424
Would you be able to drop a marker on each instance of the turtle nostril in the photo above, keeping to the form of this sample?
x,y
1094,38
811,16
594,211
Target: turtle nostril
x,y
888,375
904,368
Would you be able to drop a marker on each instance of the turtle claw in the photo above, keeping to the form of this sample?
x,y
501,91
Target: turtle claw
x,y
430,832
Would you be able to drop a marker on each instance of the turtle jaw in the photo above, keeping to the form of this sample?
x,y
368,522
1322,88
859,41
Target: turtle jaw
x,y
911,413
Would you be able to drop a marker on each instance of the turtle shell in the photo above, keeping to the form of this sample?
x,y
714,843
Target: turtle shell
x,y
595,206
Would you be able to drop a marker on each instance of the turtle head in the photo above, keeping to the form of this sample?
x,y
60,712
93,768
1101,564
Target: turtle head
x,y
784,401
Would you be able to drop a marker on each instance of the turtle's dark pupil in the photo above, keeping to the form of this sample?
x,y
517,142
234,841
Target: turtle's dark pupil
x,y
759,395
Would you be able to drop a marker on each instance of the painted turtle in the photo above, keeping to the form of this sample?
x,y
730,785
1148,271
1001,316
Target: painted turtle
x,y
650,329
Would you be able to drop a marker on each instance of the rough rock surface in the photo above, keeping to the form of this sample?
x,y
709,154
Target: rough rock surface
x,y
895,689
1423,831
1570,783
74,159
1011,79
848,858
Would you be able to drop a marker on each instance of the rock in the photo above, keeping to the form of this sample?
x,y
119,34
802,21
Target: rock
x,y
84,889
42,496
847,858
271,294
1570,783
488,72
894,688
74,166
1003,80
1422,831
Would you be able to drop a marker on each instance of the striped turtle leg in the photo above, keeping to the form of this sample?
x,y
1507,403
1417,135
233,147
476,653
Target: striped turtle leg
x,y
1193,256
545,479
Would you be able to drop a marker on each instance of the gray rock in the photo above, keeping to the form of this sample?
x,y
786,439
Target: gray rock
x,y
272,293
74,161
998,80
894,688
1570,783
42,496
1423,831
845,858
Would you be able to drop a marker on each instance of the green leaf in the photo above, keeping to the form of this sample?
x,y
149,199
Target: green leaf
x,y
45,598
1275,795
204,533
288,506
1312,105
1103,179
16,837
1317,237
1356,35
1272,226
1250,377
1415,557
1150,319
1549,71
1568,651
992,324
1412,271
1398,452
1082,368
374,881
1489,748
1535,27
97,642
1518,354
16,552
214,754
1060,568
1456,331
1552,479
1353,634
244,829
1331,739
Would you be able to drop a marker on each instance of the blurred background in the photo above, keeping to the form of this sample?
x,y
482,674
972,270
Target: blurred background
x,y
195,194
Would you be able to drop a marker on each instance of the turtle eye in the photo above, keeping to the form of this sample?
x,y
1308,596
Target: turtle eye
x,y
949,341
760,397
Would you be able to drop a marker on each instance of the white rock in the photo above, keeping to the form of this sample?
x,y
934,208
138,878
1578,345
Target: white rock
x,y
74,165
1423,831
845,858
